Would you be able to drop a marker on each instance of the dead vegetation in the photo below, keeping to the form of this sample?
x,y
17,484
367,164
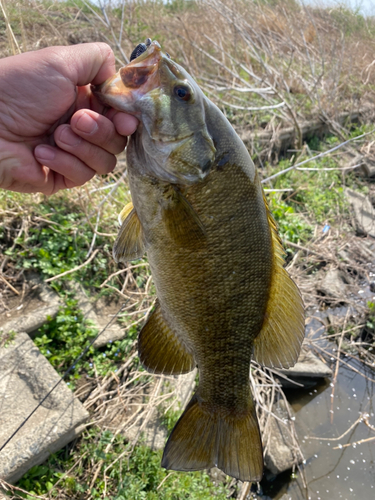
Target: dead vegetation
x,y
268,66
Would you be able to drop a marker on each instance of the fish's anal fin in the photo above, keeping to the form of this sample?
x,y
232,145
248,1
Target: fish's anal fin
x,y
182,222
203,439
129,244
160,350
279,343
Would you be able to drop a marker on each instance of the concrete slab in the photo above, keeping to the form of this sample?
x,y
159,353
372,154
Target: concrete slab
x,y
363,213
25,378
100,316
41,304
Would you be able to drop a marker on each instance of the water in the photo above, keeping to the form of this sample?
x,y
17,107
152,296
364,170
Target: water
x,y
333,470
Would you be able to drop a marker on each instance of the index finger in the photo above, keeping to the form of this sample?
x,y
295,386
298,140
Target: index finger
x,y
86,62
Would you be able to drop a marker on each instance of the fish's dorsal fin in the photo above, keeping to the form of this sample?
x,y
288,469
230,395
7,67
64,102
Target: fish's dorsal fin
x,y
160,349
279,342
129,244
182,222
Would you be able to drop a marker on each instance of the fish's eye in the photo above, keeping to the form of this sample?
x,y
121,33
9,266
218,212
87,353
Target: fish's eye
x,y
182,92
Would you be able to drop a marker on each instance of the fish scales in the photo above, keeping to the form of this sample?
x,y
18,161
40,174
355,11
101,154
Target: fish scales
x,y
212,292
199,211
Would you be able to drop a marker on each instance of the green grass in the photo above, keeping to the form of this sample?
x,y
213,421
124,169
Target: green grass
x,y
138,476
63,339
59,243
317,196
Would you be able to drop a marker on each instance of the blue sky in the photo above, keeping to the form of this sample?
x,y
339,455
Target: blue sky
x,y
366,7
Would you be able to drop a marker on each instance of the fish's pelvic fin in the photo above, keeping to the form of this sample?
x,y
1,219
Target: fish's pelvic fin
x,y
203,439
160,349
279,343
129,244
182,222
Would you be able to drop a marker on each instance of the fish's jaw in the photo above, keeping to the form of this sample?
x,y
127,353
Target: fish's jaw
x,y
156,160
133,81
114,94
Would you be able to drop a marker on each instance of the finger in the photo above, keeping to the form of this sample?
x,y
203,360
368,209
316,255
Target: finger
x,y
75,171
87,63
59,182
93,156
98,130
125,124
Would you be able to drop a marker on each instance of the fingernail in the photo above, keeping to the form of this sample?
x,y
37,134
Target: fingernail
x,y
44,153
67,136
86,124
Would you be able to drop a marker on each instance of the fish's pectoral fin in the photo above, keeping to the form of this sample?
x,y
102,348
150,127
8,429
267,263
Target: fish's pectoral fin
x,y
202,439
129,244
125,212
279,343
160,349
182,221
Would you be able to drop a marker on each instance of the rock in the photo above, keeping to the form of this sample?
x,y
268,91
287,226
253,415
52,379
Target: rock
x,y
279,455
100,315
308,370
363,215
332,283
366,162
154,434
25,378
37,307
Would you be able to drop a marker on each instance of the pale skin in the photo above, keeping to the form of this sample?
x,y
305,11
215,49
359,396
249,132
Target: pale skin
x,y
53,133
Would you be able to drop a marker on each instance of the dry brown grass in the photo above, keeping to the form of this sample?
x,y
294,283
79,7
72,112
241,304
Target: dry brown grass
x,y
246,55
265,68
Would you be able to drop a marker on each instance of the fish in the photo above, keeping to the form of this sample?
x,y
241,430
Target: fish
x,y
217,261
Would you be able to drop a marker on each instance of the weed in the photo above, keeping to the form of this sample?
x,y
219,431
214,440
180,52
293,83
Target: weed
x,y
6,339
58,243
292,227
138,476
169,418
63,339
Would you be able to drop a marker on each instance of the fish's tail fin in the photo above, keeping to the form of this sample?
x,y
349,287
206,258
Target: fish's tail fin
x,y
203,439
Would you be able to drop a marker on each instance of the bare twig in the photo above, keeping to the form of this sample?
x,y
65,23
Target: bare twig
x,y
74,269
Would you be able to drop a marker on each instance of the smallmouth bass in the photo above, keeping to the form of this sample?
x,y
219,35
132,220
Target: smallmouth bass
x,y
199,211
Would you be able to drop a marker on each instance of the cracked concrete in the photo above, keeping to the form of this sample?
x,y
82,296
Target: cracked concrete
x,y
25,378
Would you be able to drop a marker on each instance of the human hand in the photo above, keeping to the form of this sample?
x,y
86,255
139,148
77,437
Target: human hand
x,y
53,134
